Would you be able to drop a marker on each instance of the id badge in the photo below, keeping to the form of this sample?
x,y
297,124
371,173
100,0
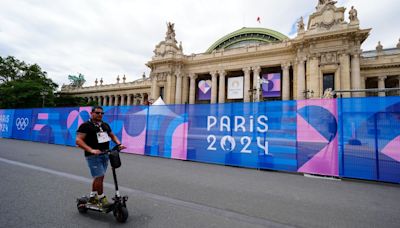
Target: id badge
x,y
103,137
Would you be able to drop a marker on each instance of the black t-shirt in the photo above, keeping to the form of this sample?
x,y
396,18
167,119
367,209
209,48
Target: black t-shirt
x,y
91,130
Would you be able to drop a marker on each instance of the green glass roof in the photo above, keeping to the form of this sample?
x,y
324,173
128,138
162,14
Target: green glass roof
x,y
245,36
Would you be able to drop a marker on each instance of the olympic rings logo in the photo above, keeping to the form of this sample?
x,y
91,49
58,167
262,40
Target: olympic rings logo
x,y
21,123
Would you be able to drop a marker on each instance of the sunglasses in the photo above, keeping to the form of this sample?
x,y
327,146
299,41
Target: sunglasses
x,y
98,113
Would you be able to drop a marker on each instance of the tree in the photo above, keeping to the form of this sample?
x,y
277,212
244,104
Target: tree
x,y
24,86
11,69
62,100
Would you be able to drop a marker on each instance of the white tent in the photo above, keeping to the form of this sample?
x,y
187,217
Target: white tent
x,y
159,101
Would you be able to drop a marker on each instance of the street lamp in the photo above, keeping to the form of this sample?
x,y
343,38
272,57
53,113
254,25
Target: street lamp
x,y
43,94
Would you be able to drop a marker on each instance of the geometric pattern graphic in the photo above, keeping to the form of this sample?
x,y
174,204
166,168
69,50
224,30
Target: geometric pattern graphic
x,y
317,137
271,86
347,137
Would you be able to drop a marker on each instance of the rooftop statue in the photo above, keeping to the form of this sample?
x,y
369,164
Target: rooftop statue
x,y
322,3
353,14
300,25
170,35
77,81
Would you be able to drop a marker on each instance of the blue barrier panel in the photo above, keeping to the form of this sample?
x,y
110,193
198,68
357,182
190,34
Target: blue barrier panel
x,y
23,124
6,123
132,133
244,134
54,125
370,138
166,131
345,137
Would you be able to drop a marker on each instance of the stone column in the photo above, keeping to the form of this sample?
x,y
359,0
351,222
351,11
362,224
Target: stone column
x,y
123,96
381,85
116,100
221,95
155,91
355,73
214,88
313,82
246,88
168,97
301,83
129,101
256,83
142,99
345,80
185,90
178,90
285,82
192,90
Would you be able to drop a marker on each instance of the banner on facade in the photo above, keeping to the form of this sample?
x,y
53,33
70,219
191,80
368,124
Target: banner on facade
x,y
204,90
235,87
271,85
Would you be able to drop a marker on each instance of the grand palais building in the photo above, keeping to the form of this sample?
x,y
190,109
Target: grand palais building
x,y
257,64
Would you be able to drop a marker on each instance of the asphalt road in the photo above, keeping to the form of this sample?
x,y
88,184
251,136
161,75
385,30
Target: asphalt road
x,y
40,183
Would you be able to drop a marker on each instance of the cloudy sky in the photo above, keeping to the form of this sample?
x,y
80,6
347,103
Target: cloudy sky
x,y
106,38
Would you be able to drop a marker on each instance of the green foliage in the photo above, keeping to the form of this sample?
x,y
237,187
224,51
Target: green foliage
x,y
23,85
62,100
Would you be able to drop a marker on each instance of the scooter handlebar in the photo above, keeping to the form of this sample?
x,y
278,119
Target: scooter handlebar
x,y
114,149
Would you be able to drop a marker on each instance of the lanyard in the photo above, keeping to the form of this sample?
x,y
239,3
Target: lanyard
x,y
97,125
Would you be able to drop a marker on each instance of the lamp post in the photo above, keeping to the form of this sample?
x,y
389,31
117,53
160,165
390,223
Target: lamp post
x,y
43,94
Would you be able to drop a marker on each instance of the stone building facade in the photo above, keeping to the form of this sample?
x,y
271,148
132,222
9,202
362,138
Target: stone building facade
x,y
325,55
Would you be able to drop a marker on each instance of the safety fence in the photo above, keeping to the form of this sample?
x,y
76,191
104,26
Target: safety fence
x,y
346,137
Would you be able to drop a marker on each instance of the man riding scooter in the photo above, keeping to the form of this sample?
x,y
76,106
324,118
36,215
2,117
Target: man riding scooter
x,y
93,137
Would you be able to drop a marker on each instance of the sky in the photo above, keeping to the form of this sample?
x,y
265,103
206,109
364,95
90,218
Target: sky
x,y
107,38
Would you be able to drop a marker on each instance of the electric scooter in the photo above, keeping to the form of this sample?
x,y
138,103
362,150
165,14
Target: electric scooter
x,y
118,207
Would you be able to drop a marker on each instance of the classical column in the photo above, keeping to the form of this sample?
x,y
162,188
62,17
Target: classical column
x,y
313,80
246,72
116,100
98,100
256,83
301,83
168,91
129,101
214,88
381,85
155,91
185,90
192,95
221,95
178,90
142,99
355,73
345,81
123,98
285,82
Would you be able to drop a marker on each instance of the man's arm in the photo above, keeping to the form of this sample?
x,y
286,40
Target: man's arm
x,y
116,140
81,143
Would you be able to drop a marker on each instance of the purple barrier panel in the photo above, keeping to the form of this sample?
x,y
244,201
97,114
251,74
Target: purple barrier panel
x,y
133,130
317,137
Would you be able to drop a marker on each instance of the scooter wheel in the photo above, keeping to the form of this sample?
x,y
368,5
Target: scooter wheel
x,y
121,214
81,208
